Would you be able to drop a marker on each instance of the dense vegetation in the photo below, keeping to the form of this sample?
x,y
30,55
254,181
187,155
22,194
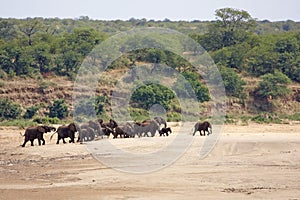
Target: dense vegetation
x,y
239,45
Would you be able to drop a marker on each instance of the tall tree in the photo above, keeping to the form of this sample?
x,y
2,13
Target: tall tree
x,y
30,27
231,27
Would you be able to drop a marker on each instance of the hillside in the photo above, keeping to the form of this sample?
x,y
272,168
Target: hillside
x,y
29,92
259,62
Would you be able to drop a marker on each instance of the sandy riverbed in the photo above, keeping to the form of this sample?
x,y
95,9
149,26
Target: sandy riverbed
x,y
248,162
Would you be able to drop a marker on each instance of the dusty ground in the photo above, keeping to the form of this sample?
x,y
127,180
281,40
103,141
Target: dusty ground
x,y
248,162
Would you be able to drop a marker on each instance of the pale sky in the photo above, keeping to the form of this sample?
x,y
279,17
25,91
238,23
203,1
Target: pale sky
x,y
188,10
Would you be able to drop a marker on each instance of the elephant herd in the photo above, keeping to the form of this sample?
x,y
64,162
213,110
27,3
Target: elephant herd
x,y
98,128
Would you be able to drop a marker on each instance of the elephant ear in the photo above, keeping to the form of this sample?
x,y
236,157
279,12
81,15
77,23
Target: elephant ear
x,y
72,127
41,129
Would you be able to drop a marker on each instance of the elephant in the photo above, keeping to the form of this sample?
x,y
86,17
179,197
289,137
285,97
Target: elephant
x,y
125,131
138,129
64,132
88,131
111,124
147,126
164,131
36,132
96,127
204,126
159,120
106,131
86,134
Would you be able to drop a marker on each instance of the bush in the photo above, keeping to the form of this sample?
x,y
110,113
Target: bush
x,y
148,95
30,112
174,117
273,85
86,107
58,109
266,118
47,120
190,85
21,123
9,110
232,82
138,114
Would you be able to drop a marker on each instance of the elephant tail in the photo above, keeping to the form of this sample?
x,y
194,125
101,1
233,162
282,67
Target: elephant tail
x,y
193,130
52,136
22,134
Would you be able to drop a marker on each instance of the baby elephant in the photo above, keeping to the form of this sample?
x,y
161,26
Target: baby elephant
x,y
204,126
164,131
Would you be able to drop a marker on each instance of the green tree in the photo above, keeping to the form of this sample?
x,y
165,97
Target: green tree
x,y
30,112
150,94
189,84
287,48
231,27
91,105
42,57
234,85
9,109
7,29
58,109
273,86
30,27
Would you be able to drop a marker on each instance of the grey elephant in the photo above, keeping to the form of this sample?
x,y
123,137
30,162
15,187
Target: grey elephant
x,y
86,134
65,131
204,126
36,132
87,131
124,131
147,126
159,120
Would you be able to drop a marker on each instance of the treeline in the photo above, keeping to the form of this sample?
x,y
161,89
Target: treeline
x,y
37,46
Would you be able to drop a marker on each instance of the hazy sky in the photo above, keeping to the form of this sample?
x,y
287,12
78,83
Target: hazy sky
x,y
273,10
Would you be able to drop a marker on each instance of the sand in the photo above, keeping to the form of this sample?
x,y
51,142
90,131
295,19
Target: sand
x,y
248,162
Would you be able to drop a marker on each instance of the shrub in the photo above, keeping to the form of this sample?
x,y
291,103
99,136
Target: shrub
x,y
30,112
148,95
266,118
273,85
232,82
58,109
174,117
47,120
21,123
92,105
9,110
138,114
190,85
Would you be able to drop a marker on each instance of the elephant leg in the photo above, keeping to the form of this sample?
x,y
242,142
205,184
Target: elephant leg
x,y
194,132
58,138
31,141
39,141
63,139
25,141
200,132
43,140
